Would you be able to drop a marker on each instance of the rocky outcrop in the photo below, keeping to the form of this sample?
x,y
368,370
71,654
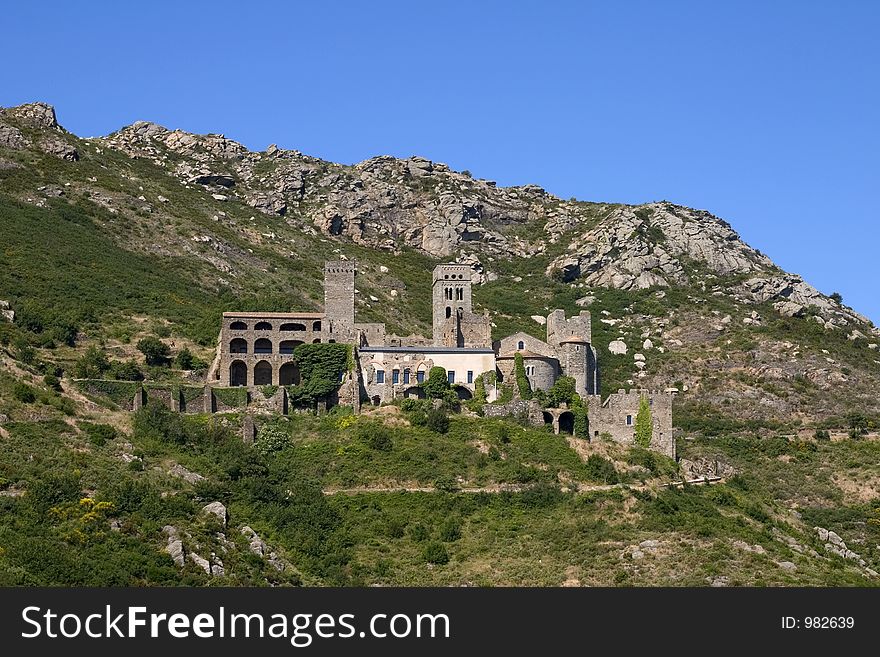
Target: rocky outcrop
x,y
6,312
705,467
59,148
259,547
11,137
794,297
38,114
649,246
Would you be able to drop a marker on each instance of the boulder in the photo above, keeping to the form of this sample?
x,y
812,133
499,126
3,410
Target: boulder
x,y
6,312
419,166
178,470
59,148
216,509
174,547
647,344
617,347
201,562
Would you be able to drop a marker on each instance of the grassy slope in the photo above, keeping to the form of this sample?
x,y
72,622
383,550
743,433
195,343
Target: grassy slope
x,y
539,536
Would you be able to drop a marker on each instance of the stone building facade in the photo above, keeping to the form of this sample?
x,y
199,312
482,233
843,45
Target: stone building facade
x,y
616,416
568,351
257,349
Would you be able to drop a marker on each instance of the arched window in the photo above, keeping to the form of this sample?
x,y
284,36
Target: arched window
x,y
263,373
293,326
238,326
287,346
237,373
316,326
459,294
262,326
288,375
238,346
263,346
316,341
448,312
520,345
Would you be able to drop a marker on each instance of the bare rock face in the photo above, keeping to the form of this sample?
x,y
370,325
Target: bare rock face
x,y
11,137
59,148
638,248
40,114
794,297
705,467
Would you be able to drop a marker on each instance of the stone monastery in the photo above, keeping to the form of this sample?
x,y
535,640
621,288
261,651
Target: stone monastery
x,y
257,349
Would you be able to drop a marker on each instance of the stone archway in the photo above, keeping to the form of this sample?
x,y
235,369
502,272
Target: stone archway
x,y
288,375
566,422
548,419
463,393
415,392
237,373
263,373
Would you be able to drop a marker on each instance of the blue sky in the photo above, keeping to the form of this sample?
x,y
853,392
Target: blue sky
x,y
764,113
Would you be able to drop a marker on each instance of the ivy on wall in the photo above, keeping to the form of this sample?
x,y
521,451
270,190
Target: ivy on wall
x,y
644,423
522,381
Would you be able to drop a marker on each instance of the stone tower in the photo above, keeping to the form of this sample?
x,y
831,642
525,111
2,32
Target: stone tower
x,y
451,301
572,339
339,300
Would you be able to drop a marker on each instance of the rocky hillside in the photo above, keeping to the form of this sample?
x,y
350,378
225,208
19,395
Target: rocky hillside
x,y
680,297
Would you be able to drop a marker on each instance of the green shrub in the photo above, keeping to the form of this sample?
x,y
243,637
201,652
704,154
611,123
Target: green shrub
x,y
126,371
158,422
395,528
51,381
822,434
98,434
24,351
271,439
24,393
419,532
185,360
154,350
450,530
562,392
434,552
446,484
437,420
93,364
601,469
437,385
376,436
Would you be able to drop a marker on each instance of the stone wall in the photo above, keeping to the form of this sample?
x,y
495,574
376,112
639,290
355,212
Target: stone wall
x,y
617,417
531,410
